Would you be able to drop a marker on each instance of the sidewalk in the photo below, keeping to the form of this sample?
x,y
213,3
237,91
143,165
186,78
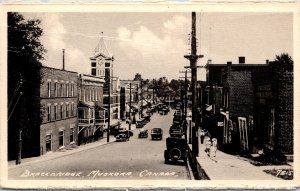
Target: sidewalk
x,y
230,167
58,154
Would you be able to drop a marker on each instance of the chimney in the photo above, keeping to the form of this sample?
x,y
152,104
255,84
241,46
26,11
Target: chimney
x,y
267,61
63,50
242,60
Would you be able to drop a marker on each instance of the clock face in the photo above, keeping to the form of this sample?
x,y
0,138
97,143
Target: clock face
x,y
100,62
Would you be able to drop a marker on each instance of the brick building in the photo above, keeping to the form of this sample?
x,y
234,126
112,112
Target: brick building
x,y
273,116
91,114
59,100
230,103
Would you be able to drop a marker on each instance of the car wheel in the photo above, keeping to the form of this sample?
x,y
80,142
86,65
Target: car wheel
x,y
166,161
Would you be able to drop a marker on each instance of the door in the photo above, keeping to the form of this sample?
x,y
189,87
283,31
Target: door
x,y
243,130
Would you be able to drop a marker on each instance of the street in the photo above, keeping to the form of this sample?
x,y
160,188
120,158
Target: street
x,y
135,159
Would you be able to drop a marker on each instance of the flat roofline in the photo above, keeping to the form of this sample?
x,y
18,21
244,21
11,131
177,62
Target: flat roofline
x,y
58,69
234,65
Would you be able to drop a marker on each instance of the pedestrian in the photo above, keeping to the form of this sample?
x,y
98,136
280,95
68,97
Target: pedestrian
x,y
207,146
214,147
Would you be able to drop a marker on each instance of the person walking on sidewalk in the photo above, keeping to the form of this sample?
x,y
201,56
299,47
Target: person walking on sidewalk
x,y
207,146
214,147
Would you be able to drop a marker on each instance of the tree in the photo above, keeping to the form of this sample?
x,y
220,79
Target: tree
x,y
25,52
284,59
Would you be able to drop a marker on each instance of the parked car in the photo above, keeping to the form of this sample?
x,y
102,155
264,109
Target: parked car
x,y
128,133
121,138
147,118
176,130
140,123
176,150
143,133
156,133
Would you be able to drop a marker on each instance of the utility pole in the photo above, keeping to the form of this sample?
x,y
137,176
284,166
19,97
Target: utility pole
x,y
108,113
141,98
186,103
129,106
193,57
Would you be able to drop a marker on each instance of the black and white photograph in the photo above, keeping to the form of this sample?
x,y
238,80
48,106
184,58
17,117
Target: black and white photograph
x,y
189,96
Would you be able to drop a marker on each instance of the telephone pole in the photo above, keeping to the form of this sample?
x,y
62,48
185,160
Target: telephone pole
x,y
193,57
129,106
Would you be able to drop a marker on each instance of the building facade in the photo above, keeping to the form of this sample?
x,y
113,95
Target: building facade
x,y
273,102
230,104
59,101
249,107
102,67
91,114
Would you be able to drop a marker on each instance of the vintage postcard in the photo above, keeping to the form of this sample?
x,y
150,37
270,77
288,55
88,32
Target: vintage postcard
x,y
149,96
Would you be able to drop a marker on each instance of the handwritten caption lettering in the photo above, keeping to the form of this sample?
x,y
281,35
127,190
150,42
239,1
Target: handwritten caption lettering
x,y
96,174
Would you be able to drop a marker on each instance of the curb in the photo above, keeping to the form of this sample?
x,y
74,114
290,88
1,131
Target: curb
x,y
190,171
55,157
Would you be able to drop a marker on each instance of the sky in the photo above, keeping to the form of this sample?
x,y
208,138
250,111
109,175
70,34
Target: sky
x,y
154,44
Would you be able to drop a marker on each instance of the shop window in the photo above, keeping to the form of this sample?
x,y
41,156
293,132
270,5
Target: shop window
x,y
48,143
71,135
61,138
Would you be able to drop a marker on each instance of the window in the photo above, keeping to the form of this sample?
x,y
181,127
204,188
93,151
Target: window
x,y
49,89
72,109
90,95
67,110
61,90
94,71
61,138
49,113
93,94
83,95
55,89
271,128
72,89
55,112
96,96
48,143
107,64
67,89
93,64
71,135
61,112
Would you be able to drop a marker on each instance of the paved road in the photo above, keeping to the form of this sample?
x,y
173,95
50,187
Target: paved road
x,y
134,159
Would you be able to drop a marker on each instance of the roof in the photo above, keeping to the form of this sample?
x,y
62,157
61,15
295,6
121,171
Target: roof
x,y
101,49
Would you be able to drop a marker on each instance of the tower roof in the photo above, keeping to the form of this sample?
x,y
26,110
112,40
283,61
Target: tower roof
x,y
101,49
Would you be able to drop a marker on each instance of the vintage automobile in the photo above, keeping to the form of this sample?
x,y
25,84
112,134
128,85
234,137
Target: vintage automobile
x,y
122,138
147,118
176,150
156,133
128,133
140,123
143,133
176,130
